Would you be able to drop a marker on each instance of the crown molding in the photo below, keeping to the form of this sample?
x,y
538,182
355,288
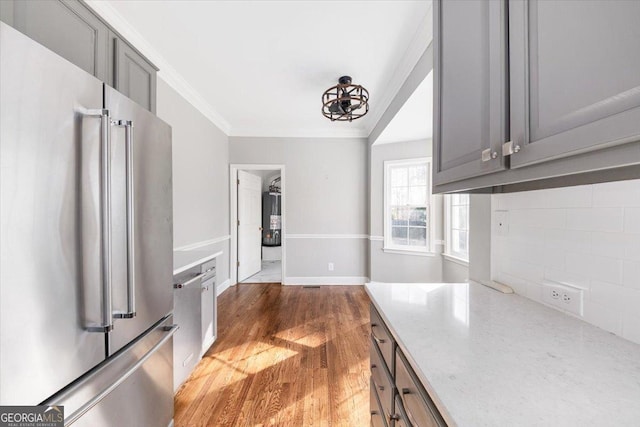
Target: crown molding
x,y
167,72
420,42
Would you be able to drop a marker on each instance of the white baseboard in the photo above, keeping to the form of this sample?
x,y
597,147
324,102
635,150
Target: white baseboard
x,y
223,287
326,280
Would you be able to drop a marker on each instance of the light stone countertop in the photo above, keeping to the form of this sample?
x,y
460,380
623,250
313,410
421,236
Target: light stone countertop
x,y
493,359
184,260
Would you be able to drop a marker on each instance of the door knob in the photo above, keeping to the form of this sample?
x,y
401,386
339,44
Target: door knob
x,y
260,228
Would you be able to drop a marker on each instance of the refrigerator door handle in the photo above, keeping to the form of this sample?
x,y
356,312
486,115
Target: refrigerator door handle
x,y
172,329
130,217
105,217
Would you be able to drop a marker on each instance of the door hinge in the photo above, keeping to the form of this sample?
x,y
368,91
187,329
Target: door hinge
x,y
238,181
238,222
238,264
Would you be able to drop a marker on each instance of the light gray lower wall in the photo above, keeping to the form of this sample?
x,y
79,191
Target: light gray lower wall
x,y
200,177
390,267
312,257
452,272
400,268
326,195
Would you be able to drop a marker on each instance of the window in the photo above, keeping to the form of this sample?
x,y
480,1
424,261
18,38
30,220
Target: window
x,y
407,206
457,226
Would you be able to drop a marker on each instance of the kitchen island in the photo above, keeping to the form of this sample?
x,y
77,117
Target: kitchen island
x,y
492,359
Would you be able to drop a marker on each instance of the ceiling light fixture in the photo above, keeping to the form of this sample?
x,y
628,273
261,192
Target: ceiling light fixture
x,y
345,102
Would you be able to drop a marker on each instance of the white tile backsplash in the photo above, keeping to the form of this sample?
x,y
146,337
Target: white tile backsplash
x,y
587,236
632,220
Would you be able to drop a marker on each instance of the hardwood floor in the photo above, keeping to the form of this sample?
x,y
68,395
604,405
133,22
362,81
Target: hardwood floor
x,y
284,356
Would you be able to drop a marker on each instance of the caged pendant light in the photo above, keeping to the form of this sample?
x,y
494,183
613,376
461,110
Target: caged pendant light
x,y
345,101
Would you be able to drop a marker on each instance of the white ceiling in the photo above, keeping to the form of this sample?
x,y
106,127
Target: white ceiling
x,y
414,120
259,68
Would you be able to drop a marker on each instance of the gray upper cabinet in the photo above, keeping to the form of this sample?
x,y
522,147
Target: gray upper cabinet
x,y
66,27
70,29
558,82
134,76
470,89
575,77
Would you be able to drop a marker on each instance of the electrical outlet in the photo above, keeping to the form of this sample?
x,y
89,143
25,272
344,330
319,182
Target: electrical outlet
x,y
330,266
563,296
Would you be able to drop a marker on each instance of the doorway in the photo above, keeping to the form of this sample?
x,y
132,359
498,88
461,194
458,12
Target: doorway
x,y
257,223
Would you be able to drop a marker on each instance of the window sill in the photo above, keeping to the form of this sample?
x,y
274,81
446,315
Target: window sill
x,y
406,252
456,260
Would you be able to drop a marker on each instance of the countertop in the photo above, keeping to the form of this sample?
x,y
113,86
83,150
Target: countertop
x,y
493,359
184,260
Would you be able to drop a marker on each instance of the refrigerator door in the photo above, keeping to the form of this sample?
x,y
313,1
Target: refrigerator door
x,y
133,388
147,277
50,246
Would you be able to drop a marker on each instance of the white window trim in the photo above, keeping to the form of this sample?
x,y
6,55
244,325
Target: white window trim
x,y
429,250
447,254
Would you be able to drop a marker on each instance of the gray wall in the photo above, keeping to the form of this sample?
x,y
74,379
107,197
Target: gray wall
x,y
390,267
200,176
480,237
452,272
325,191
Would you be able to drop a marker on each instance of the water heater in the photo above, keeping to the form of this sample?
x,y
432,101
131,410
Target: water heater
x,y
271,216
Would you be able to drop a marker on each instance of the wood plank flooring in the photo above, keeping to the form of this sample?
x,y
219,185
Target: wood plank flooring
x,y
284,356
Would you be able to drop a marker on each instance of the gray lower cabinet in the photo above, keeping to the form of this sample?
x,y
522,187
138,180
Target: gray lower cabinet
x,y
552,101
470,89
398,398
72,30
208,304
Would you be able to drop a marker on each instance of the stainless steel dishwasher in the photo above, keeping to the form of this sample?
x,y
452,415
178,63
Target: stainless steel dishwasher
x,y
187,313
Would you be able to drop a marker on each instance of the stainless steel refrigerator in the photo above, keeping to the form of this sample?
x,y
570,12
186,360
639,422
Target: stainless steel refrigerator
x,y
85,242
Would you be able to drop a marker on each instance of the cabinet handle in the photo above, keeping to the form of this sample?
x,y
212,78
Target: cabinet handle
x,y
378,340
188,282
381,387
508,148
489,155
395,417
406,391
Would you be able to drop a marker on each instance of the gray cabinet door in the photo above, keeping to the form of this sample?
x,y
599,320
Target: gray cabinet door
x,y
575,77
470,91
66,27
134,76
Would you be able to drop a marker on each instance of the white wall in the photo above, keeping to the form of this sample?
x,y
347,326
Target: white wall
x,y
326,210
200,177
588,236
390,267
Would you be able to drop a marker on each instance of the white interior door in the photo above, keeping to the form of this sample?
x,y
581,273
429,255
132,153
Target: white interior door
x,y
249,224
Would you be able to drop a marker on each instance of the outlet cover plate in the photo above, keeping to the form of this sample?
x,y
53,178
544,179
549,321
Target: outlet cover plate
x,y
501,223
563,296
